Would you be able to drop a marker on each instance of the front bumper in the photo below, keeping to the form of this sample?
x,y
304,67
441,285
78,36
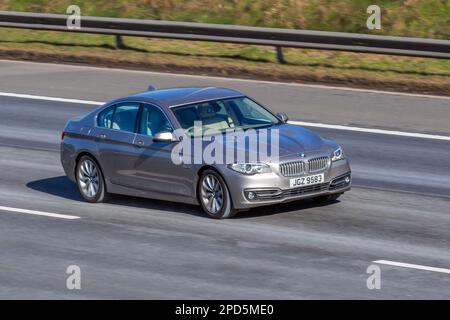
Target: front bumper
x,y
272,188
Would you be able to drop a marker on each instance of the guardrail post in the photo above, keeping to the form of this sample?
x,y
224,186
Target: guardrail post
x,y
280,55
119,42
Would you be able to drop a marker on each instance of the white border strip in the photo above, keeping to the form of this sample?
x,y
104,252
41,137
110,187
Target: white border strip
x,y
300,123
39,213
305,85
412,266
369,130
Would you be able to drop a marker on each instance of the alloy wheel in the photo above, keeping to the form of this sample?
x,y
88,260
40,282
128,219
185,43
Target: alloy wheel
x,y
88,178
212,194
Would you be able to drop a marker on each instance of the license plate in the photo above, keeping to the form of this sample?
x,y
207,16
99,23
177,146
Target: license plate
x,y
306,181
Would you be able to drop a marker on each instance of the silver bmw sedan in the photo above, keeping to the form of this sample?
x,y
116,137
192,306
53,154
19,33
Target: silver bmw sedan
x,y
209,146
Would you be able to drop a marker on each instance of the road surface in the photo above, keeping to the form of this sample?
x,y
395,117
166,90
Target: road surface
x,y
398,210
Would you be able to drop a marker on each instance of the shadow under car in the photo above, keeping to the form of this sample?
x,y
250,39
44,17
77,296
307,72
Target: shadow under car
x,y
62,187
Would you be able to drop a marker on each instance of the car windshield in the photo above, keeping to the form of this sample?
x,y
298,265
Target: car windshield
x,y
222,115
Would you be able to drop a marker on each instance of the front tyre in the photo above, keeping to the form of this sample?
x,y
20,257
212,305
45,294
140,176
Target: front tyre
x,y
90,180
214,196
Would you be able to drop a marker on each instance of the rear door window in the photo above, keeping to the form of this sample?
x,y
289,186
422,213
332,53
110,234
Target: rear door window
x,y
125,116
153,121
119,117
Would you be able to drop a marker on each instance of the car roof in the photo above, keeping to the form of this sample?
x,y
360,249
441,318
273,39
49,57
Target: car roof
x,y
181,96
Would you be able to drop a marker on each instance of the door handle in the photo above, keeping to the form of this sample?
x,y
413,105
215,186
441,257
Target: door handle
x,y
102,136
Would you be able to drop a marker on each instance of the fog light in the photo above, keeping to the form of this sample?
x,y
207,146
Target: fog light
x,y
347,180
251,195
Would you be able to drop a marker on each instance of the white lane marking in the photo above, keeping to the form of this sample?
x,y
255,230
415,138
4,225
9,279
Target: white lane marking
x,y
369,130
314,86
412,266
30,96
300,123
39,213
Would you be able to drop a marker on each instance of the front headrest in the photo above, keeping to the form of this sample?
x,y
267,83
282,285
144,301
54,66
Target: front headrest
x,y
207,110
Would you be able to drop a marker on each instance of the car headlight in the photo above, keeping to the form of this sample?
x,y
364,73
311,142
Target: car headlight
x,y
250,168
338,154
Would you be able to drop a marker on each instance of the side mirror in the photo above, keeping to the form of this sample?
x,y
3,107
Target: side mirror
x,y
282,116
164,137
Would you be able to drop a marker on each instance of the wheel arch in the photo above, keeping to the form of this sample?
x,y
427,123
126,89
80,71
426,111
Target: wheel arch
x,y
89,154
199,174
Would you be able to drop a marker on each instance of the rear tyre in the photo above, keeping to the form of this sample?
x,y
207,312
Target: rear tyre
x,y
214,196
327,198
90,180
